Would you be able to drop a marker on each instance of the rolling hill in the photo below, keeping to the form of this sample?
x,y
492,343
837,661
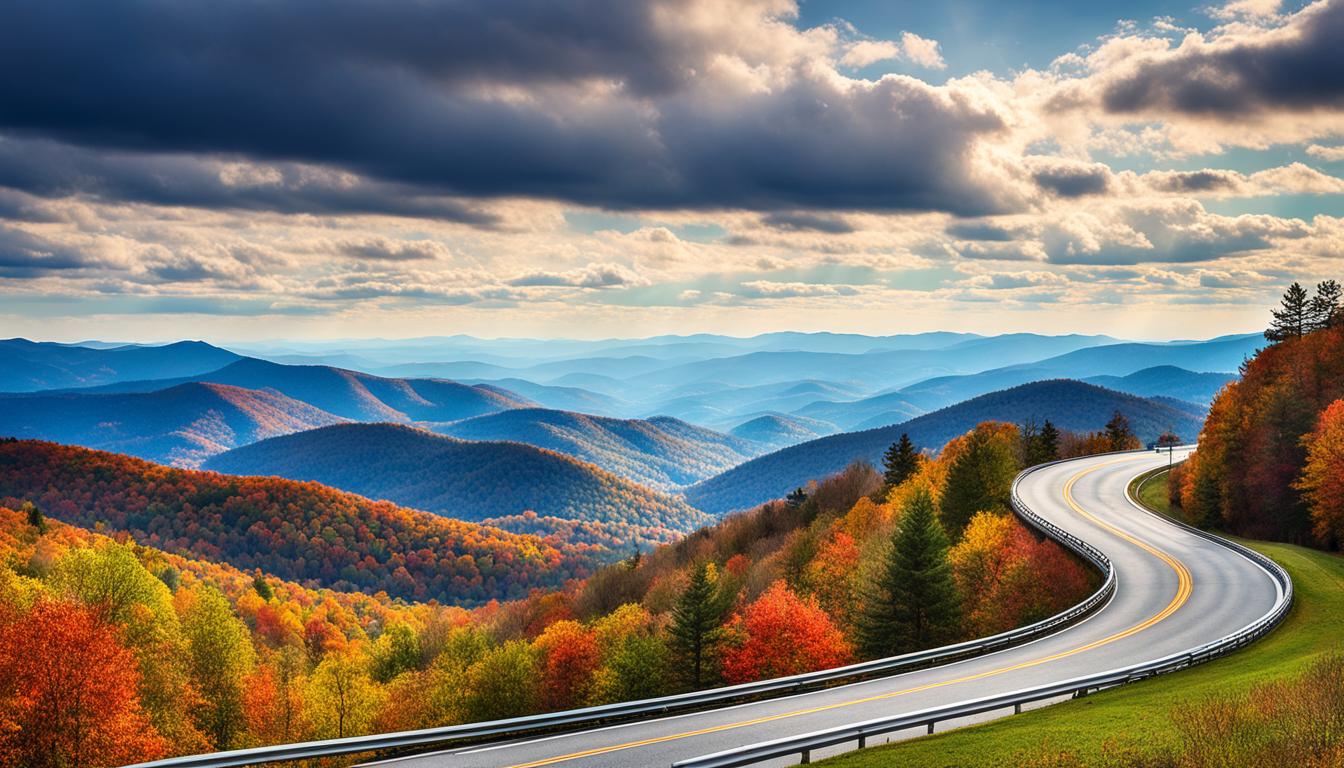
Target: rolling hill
x,y
1071,405
1168,381
181,425
778,430
661,452
889,408
304,532
353,395
29,366
498,482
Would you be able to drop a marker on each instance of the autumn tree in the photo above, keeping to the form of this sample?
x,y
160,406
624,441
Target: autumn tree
x,y
900,462
569,658
1291,319
68,691
696,629
783,634
1322,481
220,657
395,651
634,656
980,477
502,683
913,602
342,697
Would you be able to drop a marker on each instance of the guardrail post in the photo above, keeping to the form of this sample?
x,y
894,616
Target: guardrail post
x,y
1017,708
807,756
930,726
863,741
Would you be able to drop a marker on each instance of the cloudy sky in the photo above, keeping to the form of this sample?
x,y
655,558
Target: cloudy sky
x,y
332,168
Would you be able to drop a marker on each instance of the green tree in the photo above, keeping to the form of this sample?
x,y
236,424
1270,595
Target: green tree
x,y
913,602
1119,435
34,516
1290,320
1047,443
900,462
395,651
220,655
697,628
980,478
503,683
1324,309
262,587
341,696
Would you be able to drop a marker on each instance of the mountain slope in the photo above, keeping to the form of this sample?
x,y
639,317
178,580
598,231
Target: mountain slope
x,y
478,481
353,395
1167,381
891,407
777,430
661,452
1071,405
181,425
28,366
300,531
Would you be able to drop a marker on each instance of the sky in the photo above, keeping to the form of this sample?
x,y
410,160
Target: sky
x,y
314,169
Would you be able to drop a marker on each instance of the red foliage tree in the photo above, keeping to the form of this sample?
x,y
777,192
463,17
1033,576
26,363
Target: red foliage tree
x,y
1323,476
783,634
68,692
570,656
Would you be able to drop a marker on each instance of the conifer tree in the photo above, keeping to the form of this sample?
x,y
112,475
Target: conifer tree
x,y
913,602
697,628
1047,443
1119,434
1291,320
980,479
900,462
1324,311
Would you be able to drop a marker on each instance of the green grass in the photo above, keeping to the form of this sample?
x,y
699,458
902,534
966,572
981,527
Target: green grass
x,y
1138,716
1150,489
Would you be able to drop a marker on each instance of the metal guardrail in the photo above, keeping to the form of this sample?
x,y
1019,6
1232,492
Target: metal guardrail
x,y
804,744
592,716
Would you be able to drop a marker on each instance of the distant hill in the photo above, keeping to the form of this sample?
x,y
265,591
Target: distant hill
x,y
477,481
889,408
1071,405
778,430
356,396
661,452
305,532
1223,355
181,425
563,398
1168,381
28,366
723,406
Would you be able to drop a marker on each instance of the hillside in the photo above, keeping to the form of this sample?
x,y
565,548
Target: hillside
x,y
27,366
777,430
888,408
1071,405
1218,355
299,531
181,425
1168,381
661,452
353,395
497,482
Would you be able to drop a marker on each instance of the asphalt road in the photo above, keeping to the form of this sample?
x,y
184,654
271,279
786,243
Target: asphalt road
x,y
1175,591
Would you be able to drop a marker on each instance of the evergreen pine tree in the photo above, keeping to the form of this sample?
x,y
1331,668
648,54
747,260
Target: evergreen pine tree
x,y
900,462
1290,321
1119,434
980,479
913,602
697,628
35,517
1047,443
1324,311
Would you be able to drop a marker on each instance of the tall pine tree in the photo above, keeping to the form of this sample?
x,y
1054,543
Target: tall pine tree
x,y
913,602
697,628
900,462
1047,443
1290,321
1323,311
1119,434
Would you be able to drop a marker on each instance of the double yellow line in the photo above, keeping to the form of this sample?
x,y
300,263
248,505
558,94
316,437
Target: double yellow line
x,y
1183,589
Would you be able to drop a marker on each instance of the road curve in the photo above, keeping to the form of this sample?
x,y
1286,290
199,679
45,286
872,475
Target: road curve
x,y
1175,590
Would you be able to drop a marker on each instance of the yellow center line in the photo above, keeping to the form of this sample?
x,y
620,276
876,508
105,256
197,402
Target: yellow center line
x,y
1183,588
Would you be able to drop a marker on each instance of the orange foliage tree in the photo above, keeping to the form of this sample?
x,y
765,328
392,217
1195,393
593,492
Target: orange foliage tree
x,y
1322,481
783,634
68,692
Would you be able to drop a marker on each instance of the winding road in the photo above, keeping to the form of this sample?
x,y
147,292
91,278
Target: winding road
x,y
1175,590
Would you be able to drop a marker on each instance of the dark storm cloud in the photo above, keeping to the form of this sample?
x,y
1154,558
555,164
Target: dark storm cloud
x,y
25,255
1195,181
799,221
1296,72
49,169
1073,180
427,95
981,230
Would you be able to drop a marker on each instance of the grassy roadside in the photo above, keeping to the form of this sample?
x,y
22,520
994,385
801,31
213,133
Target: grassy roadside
x,y
1137,717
